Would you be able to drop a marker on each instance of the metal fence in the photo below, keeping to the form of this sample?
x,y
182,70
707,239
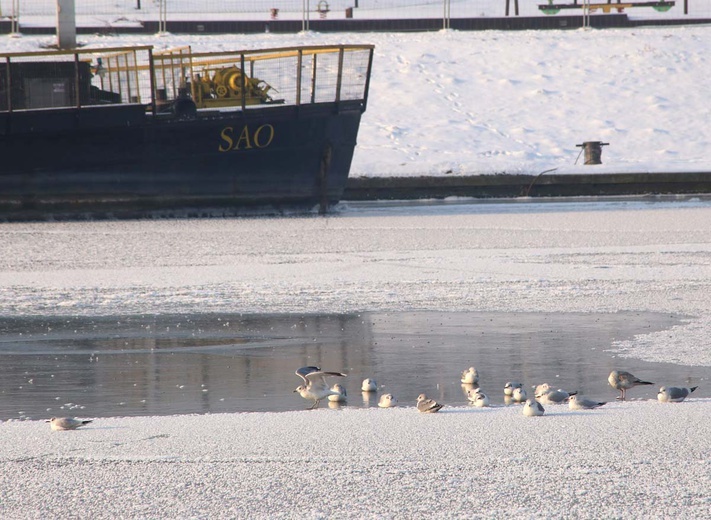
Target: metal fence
x,y
136,13
285,76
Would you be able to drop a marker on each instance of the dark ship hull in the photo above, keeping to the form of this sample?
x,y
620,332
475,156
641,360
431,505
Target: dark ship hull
x,y
185,154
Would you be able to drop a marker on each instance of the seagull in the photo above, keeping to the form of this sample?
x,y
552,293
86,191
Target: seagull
x,y
369,385
519,395
66,423
533,408
387,401
470,376
578,402
478,398
425,405
620,380
510,387
339,396
315,387
546,394
674,394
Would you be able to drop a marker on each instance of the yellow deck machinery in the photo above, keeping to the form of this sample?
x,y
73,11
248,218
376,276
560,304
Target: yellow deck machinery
x,y
225,86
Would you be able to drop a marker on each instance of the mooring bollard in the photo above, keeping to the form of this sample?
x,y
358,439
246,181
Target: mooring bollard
x,y
593,151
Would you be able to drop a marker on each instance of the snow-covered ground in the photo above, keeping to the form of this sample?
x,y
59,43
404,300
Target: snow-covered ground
x,y
641,460
466,102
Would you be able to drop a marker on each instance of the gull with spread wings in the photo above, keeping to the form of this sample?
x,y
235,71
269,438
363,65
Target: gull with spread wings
x,y
315,386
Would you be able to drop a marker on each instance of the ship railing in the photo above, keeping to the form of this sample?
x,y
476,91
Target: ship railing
x,y
230,80
252,78
74,78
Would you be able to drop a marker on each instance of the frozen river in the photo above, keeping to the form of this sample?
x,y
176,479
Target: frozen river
x,y
195,316
108,319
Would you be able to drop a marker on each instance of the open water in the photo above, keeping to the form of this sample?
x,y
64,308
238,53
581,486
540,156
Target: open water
x,y
206,363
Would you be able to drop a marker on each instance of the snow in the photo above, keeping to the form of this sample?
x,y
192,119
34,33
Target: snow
x,y
487,107
625,460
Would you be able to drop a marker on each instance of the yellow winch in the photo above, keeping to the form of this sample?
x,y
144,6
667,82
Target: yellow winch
x,y
225,87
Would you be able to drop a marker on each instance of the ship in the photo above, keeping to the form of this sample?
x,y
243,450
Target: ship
x,y
132,131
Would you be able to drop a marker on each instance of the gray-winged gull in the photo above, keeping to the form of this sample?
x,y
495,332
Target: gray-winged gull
x,y
67,423
674,394
425,405
533,408
315,386
622,381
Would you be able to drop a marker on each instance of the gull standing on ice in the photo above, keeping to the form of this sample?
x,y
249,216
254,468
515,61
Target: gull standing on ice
x,y
425,405
578,402
478,398
621,380
533,408
315,386
66,423
369,385
387,401
510,387
470,376
340,395
674,394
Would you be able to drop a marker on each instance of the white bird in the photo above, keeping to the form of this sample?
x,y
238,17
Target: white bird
x,y
622,381
542,388
478,398
674,394
578,402
519,395
387,401
369,385
546,394
66,423
533,408
340,395
510,387
470,376
425,405
315,386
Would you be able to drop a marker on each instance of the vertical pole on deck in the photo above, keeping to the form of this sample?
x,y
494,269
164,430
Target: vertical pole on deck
x,y
313,78
8,77
299,61
77,89
66,25
339,78
152,72
243,87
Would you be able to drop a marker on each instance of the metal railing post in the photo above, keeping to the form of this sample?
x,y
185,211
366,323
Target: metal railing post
x,y
299,61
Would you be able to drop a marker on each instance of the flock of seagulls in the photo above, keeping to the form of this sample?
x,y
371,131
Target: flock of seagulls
x,y
315,388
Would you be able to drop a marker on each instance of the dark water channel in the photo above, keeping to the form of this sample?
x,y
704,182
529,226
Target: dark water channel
x,y
158,365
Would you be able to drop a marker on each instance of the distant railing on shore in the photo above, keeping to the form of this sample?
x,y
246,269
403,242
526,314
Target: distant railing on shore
x,y
28,16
